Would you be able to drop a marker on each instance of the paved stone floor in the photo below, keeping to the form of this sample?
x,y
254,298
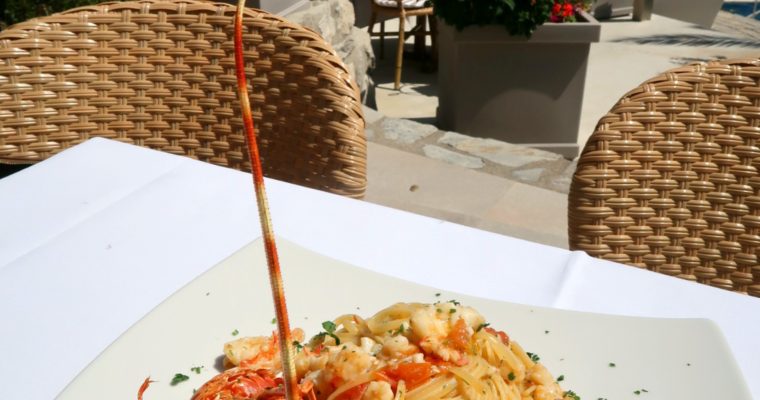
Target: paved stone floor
x,y
500,187
628,53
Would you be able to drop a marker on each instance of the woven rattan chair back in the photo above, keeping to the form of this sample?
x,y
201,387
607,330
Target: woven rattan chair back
x,y
669,180
161,74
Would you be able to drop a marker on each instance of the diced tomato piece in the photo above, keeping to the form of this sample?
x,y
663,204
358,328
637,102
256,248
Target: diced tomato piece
x,y
503,336
355,393
459,337
413,374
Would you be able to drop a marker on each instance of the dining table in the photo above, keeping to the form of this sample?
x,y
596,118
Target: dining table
x,y
98,235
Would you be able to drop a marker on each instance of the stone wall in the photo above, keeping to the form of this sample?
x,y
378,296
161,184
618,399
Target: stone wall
x,y
334,21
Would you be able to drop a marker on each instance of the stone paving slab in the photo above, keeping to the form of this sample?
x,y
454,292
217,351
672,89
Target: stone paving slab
x,y
502,153
452,157
422,185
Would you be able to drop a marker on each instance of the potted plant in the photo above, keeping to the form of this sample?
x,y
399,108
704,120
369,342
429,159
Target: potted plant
x,y
514,70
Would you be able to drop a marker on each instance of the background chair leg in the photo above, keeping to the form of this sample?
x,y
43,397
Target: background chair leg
x,y
399,52
433,22
382,39
419,37
371,27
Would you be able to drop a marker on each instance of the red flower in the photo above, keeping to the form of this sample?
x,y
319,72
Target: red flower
x,y
567,10
556,9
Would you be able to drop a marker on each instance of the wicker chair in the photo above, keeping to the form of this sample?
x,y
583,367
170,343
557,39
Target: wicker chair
x,y
669,180
402,9
160,74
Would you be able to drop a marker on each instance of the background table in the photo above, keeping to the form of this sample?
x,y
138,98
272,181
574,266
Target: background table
x,y
94,238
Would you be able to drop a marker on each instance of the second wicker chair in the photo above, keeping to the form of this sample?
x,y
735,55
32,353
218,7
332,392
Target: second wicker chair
x,y
669,180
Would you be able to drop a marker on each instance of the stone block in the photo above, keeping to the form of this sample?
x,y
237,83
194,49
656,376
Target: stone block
x,y
405,131
506,154
452,157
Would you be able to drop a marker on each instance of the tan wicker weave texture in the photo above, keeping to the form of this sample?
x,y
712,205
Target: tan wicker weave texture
x,y
161,74
669,180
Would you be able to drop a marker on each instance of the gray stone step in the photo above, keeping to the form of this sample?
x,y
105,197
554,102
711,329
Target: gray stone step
x,y
534,167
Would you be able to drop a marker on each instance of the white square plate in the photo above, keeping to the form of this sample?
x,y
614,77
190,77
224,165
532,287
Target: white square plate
x,y
659,358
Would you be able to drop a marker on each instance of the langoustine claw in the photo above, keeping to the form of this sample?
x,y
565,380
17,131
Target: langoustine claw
x,y
143,388
242,383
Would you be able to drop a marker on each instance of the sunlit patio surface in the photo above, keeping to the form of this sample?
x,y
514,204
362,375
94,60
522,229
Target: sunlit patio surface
x,y
501,187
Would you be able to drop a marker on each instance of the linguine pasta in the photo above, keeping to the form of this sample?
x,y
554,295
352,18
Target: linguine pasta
x,y
408,351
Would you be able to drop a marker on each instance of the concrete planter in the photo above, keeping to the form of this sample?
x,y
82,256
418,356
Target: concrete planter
x,y
701,12
524,91
604,9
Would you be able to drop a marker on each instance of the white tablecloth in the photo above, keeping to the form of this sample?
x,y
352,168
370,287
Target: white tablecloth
x,y
94,238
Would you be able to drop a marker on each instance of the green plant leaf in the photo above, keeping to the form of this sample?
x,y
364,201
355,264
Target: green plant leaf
x,y
519,17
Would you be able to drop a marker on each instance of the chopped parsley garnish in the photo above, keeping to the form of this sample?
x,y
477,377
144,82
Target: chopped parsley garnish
x,y
560,378
511,376
533,357
454,302
571,395
644,390
612,365
197,370
235,332
274,321
481,326
329,328
546,332
438,310
452,311
637,392
179,378
399,331
297,345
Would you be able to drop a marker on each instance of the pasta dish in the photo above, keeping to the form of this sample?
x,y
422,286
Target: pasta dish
x,y
408,351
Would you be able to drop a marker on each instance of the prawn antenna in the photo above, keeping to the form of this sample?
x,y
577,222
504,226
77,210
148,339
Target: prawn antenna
x,y
273,263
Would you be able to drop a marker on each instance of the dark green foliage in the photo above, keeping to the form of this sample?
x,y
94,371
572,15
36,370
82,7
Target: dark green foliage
x,y
519,17
15,11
